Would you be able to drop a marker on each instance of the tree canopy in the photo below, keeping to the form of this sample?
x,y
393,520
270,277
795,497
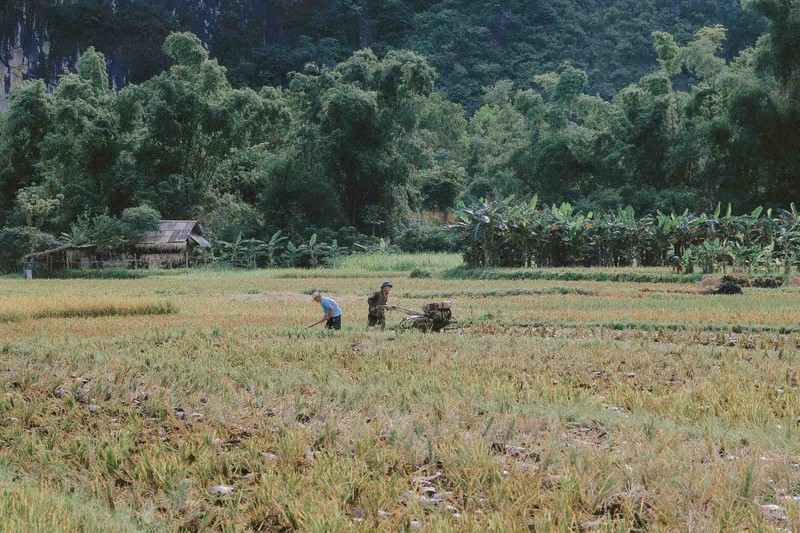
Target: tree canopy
x,y
373,140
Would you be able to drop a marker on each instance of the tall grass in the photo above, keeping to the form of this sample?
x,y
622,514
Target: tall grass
x,y
643,325
24,508
99,273
498,293
570,275
501,426
18,309
320,431
398,262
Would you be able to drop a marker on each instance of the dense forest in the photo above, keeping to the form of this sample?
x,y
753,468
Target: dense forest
x,y
367,141
470,44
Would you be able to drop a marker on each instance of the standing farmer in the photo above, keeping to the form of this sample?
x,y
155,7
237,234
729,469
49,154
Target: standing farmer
x,y
376,315
333,315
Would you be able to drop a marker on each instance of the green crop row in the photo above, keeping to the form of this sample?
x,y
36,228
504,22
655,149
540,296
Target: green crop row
x,y
510,233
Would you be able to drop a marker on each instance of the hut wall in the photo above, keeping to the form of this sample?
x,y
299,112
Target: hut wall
x,y
81,259
116,263
157,259
160,248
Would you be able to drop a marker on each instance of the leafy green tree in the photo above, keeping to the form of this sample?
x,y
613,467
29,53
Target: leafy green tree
x,y
778,47
770,110
368,141
37,208
81,152
17,241
135,221
565,128
113,233
441,186
497,133
193,121
22,130
352,126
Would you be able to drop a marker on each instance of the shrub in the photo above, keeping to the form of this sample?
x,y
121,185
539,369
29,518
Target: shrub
x,y
737,278
15,243
561,275
100,273
109,232
419,273
767,282
425,237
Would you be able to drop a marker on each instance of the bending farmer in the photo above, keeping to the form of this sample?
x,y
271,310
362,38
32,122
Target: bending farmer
x,y
333,315
377,316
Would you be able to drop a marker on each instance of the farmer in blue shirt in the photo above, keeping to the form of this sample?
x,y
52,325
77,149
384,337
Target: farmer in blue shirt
x,y
333,315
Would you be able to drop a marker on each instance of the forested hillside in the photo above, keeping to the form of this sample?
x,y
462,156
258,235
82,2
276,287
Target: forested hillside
x,y
474,44
471,44
366,143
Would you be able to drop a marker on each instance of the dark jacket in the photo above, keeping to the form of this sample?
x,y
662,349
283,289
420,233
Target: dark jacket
x,y
377,298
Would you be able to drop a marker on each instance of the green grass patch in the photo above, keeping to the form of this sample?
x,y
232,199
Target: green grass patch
x,y
567,275
24,507
398,262
643,325
318,273
309,292
419,273
499,293
100,273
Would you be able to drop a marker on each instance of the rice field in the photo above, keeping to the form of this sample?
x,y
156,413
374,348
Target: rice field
x,y
20,309
556,406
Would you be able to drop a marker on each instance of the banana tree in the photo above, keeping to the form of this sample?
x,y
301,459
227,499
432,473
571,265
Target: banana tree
x,y
293,255
273,247
712,255
787,237
253,250
750,257
623,234
482,226
316,251
234,253
521,231
334,253
508,233
654,240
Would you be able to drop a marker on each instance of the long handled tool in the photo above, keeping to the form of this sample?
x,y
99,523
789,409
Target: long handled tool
x,y
409,312
316,324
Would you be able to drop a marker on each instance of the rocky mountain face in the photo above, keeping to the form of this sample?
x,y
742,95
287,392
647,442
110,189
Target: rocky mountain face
x,y
41,39
24,49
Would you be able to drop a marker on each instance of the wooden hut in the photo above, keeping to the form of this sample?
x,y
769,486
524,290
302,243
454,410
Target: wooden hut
x,y
172,245
64,257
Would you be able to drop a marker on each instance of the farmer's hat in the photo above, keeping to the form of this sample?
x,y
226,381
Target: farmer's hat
x,y
386,284
315,295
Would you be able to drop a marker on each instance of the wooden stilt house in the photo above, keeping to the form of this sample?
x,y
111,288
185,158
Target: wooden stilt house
x,y
172,245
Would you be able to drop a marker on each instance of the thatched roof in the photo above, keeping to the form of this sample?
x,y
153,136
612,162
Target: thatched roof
x,y
172,235
44,254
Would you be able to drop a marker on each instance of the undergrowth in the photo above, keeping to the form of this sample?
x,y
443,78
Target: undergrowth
x,y
560,275
499,293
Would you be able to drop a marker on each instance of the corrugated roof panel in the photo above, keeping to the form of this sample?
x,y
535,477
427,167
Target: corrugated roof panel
x,y
170,231
200,240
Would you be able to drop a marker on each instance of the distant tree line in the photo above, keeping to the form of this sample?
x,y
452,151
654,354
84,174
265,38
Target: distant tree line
x,y
369,142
